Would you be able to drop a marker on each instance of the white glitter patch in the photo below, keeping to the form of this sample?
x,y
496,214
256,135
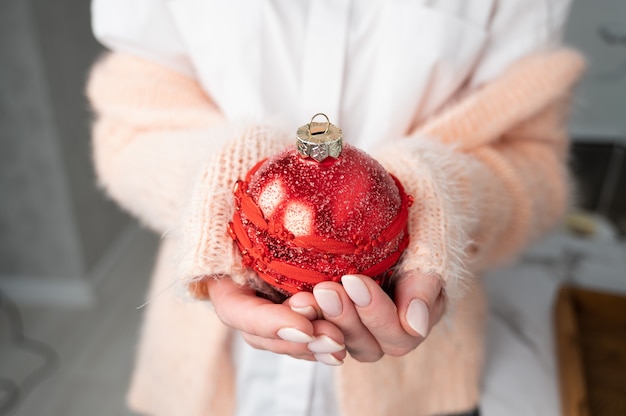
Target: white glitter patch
x,y
299,219
271,197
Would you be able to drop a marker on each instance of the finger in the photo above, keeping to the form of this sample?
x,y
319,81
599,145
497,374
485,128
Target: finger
x,y
304,303
239,308
329,359
420,302
327,347
338,309
295,350
328,339
379,314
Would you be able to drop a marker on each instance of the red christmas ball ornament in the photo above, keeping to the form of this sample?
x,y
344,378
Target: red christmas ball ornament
x,y
319,211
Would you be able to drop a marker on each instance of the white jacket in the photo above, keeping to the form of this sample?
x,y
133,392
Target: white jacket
x,y
371,66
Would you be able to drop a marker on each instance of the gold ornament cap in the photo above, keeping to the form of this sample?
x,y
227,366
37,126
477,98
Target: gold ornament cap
x,y
319,140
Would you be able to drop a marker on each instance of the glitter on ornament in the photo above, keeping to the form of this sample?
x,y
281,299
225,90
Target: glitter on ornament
x,y
318,211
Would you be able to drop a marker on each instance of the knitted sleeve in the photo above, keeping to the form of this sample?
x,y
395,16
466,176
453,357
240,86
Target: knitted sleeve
x,y
153,129
488,173
164,152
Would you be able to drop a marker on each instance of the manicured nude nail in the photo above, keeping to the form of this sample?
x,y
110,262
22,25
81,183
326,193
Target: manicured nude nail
x,y
357,290
324,344
294,335
328,359
329,301
308,312
417,317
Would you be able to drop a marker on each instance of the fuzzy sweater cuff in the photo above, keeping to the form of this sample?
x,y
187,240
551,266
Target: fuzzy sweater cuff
x,y
207,249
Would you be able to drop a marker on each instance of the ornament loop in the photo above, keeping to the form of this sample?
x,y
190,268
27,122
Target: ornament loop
x,y
327,124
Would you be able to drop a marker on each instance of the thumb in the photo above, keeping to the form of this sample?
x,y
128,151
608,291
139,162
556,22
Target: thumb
x,y
420,302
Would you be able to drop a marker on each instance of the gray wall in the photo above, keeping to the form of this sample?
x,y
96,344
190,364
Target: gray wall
x,y
54,223
68,50
598,29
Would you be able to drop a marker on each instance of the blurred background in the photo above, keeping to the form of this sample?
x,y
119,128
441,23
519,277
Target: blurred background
x,y
74,269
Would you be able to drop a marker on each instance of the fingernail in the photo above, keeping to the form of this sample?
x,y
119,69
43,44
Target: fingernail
x,y
329,301
308,312
417,317
327,359
357,290
294,335
324,344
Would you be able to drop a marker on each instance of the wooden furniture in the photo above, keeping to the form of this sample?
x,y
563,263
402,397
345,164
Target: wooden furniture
x,y
591,350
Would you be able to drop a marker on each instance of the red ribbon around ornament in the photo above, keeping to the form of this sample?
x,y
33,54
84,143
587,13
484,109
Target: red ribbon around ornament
x,y
292,278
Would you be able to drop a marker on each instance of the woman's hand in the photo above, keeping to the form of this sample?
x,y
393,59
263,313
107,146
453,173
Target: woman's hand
x,y
371,323
274,327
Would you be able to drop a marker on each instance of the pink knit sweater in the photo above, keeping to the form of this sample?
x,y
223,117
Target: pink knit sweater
x,y
487,173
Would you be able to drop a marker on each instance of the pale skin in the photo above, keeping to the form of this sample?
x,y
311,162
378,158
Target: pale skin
x,y
357,317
